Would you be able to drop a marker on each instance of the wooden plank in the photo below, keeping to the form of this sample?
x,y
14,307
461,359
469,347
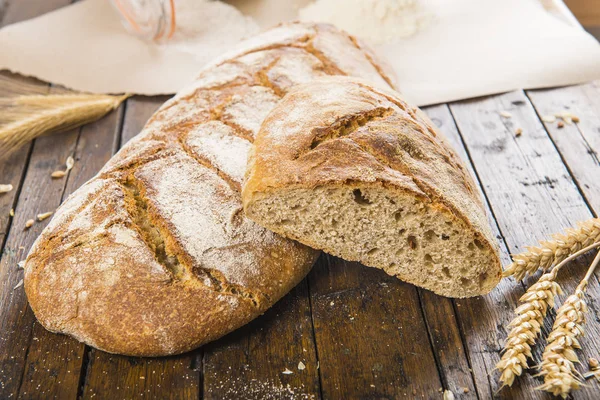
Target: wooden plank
x,y
253,362
578,144
371,337
39,194
532,195
447,339
119,377
54,362
15,319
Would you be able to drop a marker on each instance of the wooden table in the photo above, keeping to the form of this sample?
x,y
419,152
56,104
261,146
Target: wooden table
x,y
360,333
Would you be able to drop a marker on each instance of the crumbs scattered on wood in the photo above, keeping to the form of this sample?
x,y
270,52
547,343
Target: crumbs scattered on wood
x,y
43,216
18,285
301,366
21,264
560,125
287,372
6,188
11,213
465,390
29,223
505,114
518,132
70,163
448,395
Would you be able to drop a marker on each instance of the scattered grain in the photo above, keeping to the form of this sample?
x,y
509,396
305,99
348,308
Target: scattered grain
x,y
43,216
29,223
287,372
593,363
6,188
301,366
11,212
549,118
18,285
505,114
560,124
58,174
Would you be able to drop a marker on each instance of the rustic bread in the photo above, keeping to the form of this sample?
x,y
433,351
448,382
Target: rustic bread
x,y
154,255
343,166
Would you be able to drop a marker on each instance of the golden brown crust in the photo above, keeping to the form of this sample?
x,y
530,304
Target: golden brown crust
x,y
341,130
154,255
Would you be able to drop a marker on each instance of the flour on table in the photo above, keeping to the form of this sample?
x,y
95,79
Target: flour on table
x,y
379,21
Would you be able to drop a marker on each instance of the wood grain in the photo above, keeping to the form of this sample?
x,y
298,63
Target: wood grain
x,y
370,333
262,359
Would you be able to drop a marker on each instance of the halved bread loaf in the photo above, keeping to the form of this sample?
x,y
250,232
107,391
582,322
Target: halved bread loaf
x,y
343,166
154,255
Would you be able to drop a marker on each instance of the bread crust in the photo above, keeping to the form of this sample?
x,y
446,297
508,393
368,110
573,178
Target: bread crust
x,y
154,255
343,131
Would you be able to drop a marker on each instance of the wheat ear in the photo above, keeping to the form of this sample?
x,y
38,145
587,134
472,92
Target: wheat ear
x,y
559,357
526,326
24,118
554,251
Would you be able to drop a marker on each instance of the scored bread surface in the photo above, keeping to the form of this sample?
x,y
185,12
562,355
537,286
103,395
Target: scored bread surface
x,y
350,168
154,255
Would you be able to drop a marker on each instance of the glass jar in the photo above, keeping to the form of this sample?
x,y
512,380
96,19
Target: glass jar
x,y
148,19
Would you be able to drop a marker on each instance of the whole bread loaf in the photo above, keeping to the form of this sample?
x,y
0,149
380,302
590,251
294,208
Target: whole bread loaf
x,y
154,255
352,169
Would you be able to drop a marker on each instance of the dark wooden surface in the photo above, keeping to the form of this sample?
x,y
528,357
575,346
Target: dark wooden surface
x,y
359,333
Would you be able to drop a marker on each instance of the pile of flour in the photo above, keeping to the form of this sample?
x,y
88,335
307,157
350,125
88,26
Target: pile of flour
x,y
379,21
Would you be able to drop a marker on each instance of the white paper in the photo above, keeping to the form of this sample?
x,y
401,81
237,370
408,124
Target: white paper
x,y
482,47
85,47
474,48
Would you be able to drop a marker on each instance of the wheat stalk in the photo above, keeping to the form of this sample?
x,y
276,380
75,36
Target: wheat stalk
x,y
555,250
526,326
559,357
26,117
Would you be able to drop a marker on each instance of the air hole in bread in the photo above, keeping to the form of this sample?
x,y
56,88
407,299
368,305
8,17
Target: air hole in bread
x,y
398,215
445,237
446,272
360,198
372,251
412,242
429,235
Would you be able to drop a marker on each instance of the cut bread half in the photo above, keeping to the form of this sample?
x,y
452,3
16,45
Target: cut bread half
x,y
343,166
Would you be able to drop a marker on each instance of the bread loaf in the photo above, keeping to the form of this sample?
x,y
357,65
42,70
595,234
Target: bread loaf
x,y
343,166
154,255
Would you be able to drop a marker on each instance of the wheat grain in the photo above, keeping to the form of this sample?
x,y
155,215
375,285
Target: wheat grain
x,y
24,118
559,357
43,216
57,174
555,250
